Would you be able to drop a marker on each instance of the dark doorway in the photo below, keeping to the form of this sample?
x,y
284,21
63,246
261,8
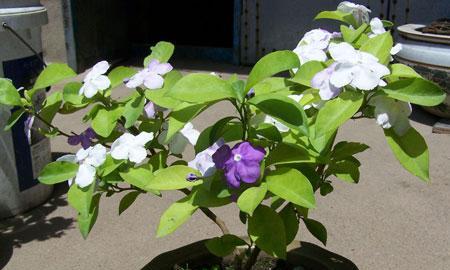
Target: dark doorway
x,y
198,28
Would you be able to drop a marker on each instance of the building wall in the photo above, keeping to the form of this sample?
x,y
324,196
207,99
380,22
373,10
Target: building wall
x,y
269,25
53,40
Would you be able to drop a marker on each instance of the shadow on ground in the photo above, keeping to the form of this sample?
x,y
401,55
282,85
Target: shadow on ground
x,y
35,225
421,116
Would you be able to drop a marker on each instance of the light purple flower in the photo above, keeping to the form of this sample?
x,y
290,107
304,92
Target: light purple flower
x,y
149,109
240,164
83,138
321,81
28,125
151,76
203,161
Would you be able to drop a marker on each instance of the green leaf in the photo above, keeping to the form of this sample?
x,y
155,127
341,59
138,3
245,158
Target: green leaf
x,y
15,116
173,177
71,95
81,198
119,74
231,132
292,186
416,90
127,201
139,176
224,245
270,65
290,221
105,120
350,35
51,106
57,172
249,200
217,129
159,160
158,96
109,166
289,154
268,131
52,74
177,214
209,197
403,71
411,150
346,170
379,46
162,52
345,149
266,229
283,109
182,114
337,111
316,229
338,16
133,109
271,84
307,71
201,88
8,93
86,222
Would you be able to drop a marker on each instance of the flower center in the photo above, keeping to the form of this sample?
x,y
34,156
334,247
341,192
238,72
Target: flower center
x,y
237,157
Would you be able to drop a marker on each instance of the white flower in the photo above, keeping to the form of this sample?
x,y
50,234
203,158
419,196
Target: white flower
x,y
322,82
131,147
396,49
151,76
377,28
181,139
312,46
89,159
319,38
308,53
356,68
391,113
95,81
359,12
203,161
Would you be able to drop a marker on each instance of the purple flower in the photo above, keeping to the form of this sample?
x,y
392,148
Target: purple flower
x,y
240,164
250,93
192,177
84,138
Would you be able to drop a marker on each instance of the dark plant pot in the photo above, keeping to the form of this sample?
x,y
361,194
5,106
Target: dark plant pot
x,y
196,255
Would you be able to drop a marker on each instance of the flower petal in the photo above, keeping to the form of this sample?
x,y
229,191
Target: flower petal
x,y
137,154
343,52
143,138
342,75
221,156
248,172
88,89
85,175
101,82
153,81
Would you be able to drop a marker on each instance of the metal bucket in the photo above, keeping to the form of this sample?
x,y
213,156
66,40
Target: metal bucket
x,y
21,160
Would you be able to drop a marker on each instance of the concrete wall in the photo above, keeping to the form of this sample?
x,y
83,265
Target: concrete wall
x,y
53,40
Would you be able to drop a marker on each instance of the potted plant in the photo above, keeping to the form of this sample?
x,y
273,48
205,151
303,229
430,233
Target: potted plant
x,y
269,157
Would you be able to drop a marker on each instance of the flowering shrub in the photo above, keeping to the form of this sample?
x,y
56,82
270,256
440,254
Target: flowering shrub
x,y
269,157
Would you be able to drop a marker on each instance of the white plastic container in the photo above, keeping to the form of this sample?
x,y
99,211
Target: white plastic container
x,y
21,162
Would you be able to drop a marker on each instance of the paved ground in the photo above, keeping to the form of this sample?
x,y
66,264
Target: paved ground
x,y
390,220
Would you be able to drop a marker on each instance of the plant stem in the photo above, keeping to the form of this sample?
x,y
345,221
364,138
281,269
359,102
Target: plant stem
x,y
50,125
252,259
219,222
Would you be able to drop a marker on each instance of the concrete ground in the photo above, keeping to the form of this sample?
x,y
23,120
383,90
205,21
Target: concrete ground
x,y
390,220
